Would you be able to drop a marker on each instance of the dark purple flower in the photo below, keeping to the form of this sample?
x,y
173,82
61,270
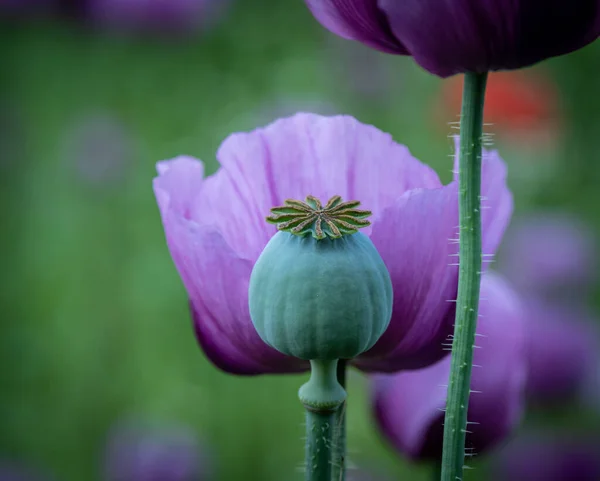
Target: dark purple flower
x,y
447,37
549,457
216,229
547,253
143,452
563,353
155,15
408,406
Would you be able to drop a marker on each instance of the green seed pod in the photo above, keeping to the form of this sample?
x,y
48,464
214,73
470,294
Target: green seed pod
x,y
319,289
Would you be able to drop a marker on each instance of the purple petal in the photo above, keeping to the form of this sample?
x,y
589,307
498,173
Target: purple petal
x,y
178,183
357,20
451,37
216,278
322,156
563,352
301,155
408,406
417,254
420,255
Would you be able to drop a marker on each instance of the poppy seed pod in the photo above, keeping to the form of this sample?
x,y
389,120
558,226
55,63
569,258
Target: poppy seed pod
x,y
320,289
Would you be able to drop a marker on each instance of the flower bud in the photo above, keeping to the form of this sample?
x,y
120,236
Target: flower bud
x,y
319,289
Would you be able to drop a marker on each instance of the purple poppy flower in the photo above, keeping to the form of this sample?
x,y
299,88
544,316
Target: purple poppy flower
x,y
548,457
450,37
546,254
408,406
141,452
563,352
216,229
155,15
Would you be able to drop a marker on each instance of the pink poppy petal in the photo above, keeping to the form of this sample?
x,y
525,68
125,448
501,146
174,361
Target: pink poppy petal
x,y
216,280
414,238
321,156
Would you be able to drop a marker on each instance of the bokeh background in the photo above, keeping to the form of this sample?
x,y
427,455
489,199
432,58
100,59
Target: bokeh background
x,y
95,327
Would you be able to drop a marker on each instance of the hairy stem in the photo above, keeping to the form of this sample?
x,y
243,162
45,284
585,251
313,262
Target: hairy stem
x,y
339,446
320,427
467,302
321,396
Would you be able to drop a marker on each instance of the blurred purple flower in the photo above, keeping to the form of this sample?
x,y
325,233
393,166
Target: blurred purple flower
x,y
548,457
563,353
215,231
144,452
156,15
551,259
544,253
450,37
100,149
408,406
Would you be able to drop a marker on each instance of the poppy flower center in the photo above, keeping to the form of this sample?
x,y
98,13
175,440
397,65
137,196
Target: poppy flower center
x,y
333,220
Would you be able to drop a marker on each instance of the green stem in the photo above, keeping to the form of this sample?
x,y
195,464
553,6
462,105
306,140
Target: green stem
x,y
339,453
320,427
467,302
322,395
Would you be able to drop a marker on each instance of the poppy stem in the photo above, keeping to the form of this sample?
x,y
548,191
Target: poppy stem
x,y
339,447
321,396
467,302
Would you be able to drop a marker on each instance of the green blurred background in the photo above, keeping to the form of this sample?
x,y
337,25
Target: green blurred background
x,y
95,324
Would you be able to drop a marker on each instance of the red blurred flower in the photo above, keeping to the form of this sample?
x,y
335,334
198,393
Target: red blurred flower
x,y
518,103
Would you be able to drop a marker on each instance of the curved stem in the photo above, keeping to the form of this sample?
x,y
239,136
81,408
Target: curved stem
x,y
467,302
339,447
322,395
